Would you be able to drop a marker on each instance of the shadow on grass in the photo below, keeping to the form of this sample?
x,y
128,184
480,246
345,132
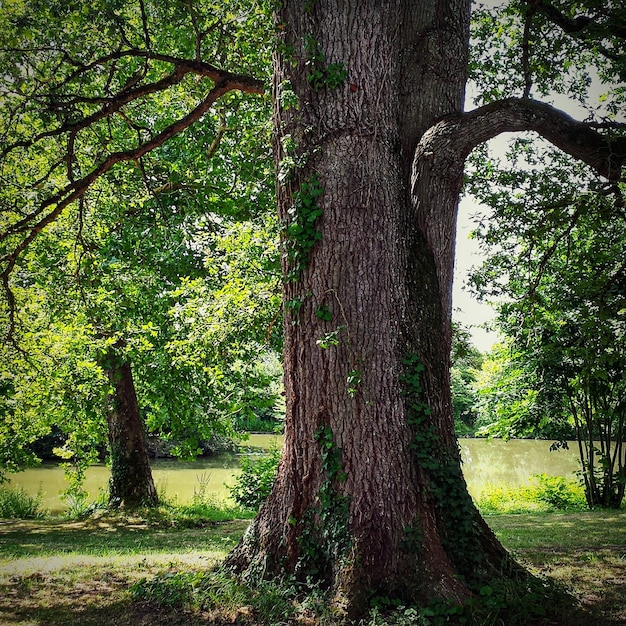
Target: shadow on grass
x,y
585,552
104,538
120,613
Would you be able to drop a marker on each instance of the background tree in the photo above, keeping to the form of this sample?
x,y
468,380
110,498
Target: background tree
x,y
132,243
465,364
556,243
510,399
371,140
560,267
187,301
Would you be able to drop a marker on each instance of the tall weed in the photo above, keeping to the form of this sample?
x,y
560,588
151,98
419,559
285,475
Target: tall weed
x,y
15,503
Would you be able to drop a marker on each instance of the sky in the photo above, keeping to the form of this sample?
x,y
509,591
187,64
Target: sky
x,y
467,309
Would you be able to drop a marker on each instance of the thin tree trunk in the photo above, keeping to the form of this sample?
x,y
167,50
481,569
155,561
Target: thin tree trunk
x,y
131,484
370,498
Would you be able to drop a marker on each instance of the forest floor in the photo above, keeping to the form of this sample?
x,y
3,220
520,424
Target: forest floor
x,y
70,573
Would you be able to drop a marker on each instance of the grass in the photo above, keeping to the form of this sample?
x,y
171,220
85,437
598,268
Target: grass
x,y
156,567
59,573
583,551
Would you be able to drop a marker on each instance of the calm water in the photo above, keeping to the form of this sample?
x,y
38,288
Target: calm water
x,y
485,463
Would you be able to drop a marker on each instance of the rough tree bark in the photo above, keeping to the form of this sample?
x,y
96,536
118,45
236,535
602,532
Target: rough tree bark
x,y
370,497
370,146
131,484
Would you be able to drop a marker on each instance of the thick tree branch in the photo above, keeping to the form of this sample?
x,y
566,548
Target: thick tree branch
x,y
49,210
461,133
566,23
182,67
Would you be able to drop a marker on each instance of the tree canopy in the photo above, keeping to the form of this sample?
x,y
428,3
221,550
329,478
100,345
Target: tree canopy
x,y
109,233
88,88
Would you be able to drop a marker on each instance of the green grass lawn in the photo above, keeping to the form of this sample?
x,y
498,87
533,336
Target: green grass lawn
x,y
55,572
584,551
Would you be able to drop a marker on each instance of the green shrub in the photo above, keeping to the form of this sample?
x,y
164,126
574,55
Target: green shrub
x,y
15,503
544,494
497,499
256,479
559,492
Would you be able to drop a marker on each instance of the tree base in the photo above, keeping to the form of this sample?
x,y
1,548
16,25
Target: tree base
x,y
511,600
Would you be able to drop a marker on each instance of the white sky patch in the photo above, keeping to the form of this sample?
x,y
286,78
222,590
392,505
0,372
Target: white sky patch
x,y
466,308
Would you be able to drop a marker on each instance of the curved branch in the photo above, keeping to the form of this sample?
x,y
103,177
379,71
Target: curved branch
x,y
76,189
182,67
461,133
567,24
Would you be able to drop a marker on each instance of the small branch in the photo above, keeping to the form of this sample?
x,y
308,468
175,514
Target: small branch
x,y
171,187
569,25
585,28
144,24
550,252
221,131
182,67
528,81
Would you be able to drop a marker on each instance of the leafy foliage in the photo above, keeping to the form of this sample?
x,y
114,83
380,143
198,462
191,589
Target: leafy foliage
x,y
89,87
257,477
556,263
114,234
508,404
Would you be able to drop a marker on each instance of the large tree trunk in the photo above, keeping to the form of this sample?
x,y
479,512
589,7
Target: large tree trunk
x,y
131,484
370,498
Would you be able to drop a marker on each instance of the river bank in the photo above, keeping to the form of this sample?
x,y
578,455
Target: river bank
x,y
487,464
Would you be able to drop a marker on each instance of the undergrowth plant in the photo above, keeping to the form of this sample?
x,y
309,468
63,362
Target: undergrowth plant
x,y
256,479
215,590
272,602
543,494
15,503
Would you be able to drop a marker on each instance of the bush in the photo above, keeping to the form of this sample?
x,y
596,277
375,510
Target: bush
x,y
559,492
17,504
546,493
256,479
498,499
